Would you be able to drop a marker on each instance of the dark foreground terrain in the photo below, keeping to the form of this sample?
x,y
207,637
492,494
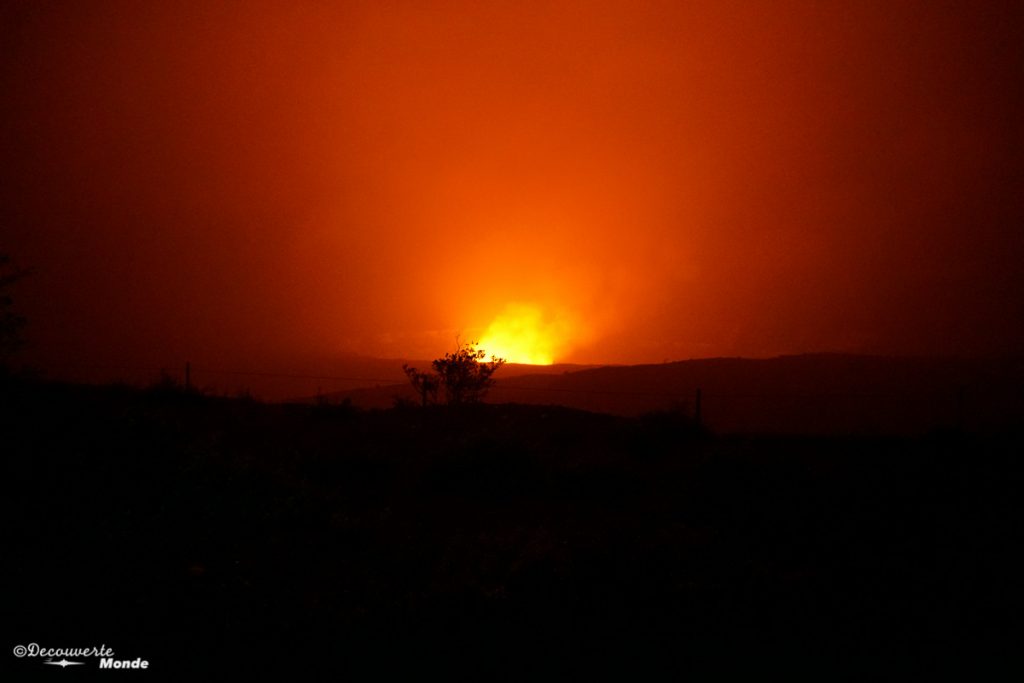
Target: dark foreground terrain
x,y
224,536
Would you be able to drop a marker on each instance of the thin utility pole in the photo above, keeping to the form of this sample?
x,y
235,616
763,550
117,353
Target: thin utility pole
x,y
696,409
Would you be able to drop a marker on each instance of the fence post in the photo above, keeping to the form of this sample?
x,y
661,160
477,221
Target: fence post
x,y
696,409
960,401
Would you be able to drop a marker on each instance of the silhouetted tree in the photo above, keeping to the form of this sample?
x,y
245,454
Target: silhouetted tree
x,y
465,376
10,322
424,383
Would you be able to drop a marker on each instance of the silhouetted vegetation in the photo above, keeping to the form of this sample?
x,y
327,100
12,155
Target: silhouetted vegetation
x,y
425,384
464,376
217,535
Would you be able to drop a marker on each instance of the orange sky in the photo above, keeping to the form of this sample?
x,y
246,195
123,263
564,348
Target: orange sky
x,y
246,182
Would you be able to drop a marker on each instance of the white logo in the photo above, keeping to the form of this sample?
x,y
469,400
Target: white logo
x,y
103,653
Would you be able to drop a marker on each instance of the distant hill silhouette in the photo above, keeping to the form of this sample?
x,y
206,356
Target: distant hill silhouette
x,y
272,378
802,394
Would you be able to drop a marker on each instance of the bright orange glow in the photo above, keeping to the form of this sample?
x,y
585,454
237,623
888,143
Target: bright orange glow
x,y
291,185
523,334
